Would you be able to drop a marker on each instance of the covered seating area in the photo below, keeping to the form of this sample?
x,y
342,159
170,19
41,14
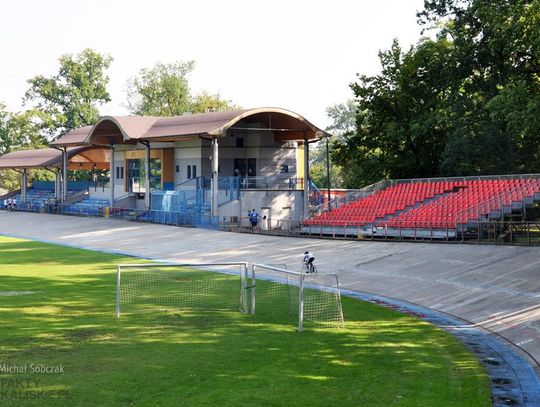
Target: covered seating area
x,y
164,152
51,159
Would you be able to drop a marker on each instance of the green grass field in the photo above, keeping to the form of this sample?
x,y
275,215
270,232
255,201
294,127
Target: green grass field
x,y
192,358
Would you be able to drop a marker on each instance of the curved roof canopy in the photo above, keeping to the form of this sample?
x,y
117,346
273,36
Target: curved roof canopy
x,y
51,157
85,144
131,129
74,137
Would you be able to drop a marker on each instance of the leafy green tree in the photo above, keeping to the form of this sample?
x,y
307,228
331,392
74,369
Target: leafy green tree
x,y
164,91
402,118
497,45
208,102
70,98
465,103
5,136
18,132
343,116
160,91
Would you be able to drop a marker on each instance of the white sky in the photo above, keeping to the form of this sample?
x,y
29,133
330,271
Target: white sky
x,y
298,54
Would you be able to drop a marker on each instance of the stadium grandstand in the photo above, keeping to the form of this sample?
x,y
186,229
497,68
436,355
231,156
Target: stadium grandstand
x,y
199,170
427,208
209,170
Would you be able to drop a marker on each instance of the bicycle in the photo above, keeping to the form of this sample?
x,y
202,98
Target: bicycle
x,y
310,269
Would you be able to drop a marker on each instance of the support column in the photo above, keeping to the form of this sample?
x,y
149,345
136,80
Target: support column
x,y
148,190
24,183
306,179
215,168
64,174
57,184
111,174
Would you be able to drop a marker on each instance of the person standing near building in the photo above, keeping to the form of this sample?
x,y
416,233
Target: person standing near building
x,y
254,221
249,220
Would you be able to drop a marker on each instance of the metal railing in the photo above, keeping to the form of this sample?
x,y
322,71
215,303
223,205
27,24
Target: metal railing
x,y
466,178
490,232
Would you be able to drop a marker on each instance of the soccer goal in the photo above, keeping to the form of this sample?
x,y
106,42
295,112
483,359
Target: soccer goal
x,y
307,297
206,286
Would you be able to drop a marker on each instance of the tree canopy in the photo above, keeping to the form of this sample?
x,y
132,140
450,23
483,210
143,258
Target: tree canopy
x,y
343,117
463,103
164,91
70,98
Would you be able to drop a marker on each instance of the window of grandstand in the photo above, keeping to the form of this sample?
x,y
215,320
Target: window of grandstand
x,y
191,171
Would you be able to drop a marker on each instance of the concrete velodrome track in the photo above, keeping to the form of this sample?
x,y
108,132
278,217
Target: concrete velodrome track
x,y
493,287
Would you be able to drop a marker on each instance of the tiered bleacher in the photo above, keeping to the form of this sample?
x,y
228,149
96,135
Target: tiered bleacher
x,y
35,200
379,205
433,204
86,207
471,201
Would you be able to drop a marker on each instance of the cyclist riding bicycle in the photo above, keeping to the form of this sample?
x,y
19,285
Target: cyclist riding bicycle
x,y
309,258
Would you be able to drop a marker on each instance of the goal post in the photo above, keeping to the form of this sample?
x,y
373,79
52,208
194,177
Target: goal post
x,y
309,297
211,286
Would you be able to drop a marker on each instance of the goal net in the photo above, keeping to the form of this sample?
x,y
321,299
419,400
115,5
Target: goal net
x,y
206,286
307,298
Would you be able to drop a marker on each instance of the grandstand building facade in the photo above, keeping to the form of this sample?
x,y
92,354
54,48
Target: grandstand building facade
x,y
184,169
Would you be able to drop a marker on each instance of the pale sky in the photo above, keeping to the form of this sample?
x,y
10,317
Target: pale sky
x,y
299,55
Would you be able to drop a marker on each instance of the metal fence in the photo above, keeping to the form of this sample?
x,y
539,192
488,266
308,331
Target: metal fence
x,y
508,231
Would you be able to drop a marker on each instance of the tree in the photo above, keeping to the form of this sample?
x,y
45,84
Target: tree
x,y
164,91
401,119
343,117
497,45
160,91
18,132
70,98
5,136
208,102
465,103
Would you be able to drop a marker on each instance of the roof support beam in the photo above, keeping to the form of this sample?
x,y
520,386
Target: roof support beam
x,y
111,173
24,184
57,184
64,174
215,175
306,179
148,190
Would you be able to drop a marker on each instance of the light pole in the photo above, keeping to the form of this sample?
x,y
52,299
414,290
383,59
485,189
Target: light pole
x,y
328,174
